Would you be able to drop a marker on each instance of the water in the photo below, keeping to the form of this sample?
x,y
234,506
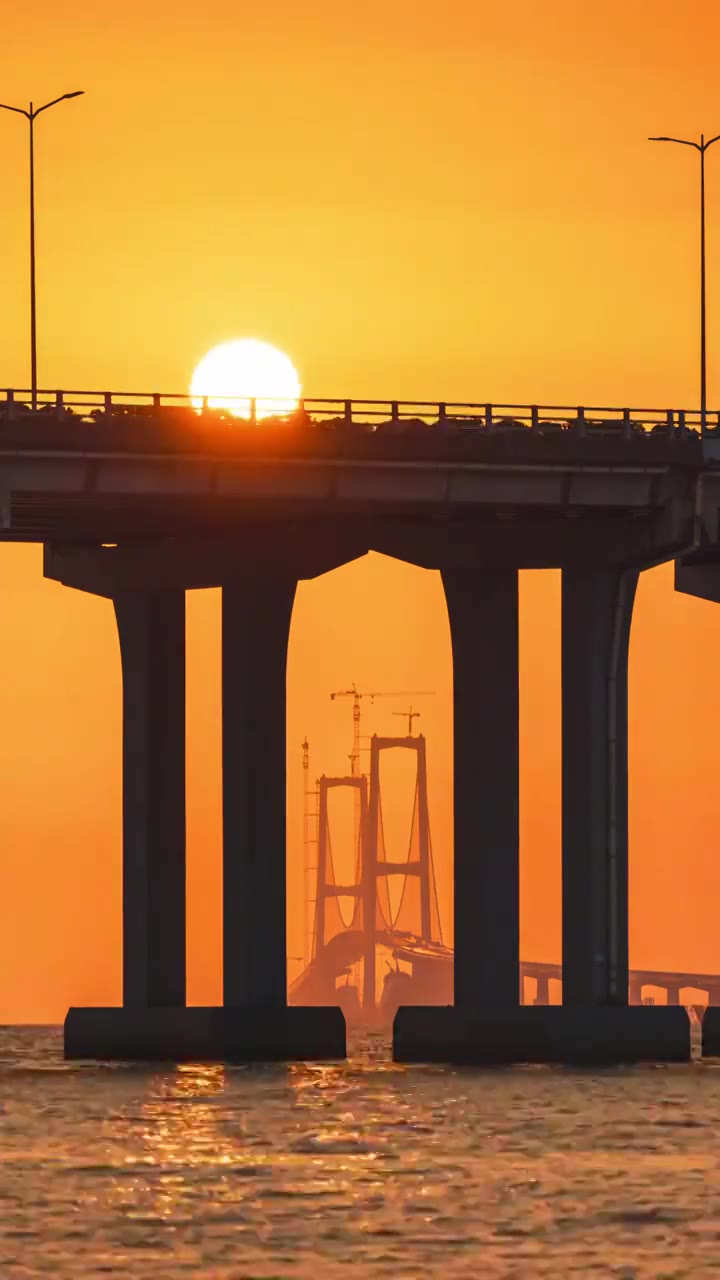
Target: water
x,y
364,1169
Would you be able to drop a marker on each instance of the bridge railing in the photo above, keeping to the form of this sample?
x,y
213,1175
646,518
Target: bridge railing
x,y
388,416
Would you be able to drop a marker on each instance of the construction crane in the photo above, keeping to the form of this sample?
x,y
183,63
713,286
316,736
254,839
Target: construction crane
x,y
309,865
411,715
357,697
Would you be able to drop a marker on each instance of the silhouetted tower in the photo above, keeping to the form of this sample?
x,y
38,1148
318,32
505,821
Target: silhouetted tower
x,y
354,757
374,867
372,914
326,885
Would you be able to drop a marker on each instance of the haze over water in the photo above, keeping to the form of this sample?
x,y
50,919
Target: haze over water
x,y
363,1167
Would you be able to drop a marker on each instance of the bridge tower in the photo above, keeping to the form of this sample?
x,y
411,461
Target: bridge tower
x,y
355,755
327,888
372,914
377,868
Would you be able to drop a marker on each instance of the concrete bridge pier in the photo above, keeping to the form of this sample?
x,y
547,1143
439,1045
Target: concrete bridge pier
x,y
595,1023
255,628
597,606
542,995
597,610
254,1023
635,989
151,630
698,575
483,612
711,1025
256,613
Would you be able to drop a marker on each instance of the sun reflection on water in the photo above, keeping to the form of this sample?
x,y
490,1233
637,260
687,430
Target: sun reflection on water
x,y
233,1171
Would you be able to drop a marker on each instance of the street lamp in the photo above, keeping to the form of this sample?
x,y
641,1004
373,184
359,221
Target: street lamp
x,y
702,147
30,116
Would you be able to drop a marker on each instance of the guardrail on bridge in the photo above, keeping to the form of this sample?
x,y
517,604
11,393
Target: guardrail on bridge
x,y
96,407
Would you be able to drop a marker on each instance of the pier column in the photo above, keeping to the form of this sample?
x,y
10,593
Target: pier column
x,y
151,628
256,616
147,586
596,616
543,989
672,990
483,612
635,988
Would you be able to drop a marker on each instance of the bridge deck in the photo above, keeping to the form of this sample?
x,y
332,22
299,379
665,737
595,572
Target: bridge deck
x,y
108,422
106,467
648,977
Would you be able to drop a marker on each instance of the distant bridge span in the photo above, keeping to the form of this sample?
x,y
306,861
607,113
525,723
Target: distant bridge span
x,y
317,983
672,981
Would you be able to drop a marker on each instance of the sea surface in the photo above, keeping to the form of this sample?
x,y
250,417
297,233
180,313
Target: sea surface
x,y
363,1169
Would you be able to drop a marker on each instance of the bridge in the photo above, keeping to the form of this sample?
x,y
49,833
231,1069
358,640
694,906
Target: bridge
x,y
410,927
672,981
107,467
405,919
90,407
139,498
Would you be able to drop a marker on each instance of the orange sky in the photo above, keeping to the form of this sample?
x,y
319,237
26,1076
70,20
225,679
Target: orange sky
x,y
412,199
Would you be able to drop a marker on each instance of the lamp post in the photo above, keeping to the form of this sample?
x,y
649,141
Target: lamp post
x,y
702,147
31,115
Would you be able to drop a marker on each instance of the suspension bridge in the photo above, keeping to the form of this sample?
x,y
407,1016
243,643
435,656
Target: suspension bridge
x,y
392,905
389,903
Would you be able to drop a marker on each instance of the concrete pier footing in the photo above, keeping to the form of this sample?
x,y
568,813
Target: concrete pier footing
x,y
223,1034
493,1036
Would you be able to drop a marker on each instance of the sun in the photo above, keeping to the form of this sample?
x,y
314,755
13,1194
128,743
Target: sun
x,y
235,373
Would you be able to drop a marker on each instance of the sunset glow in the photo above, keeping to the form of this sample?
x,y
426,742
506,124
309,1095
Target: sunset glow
x,y
352,192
